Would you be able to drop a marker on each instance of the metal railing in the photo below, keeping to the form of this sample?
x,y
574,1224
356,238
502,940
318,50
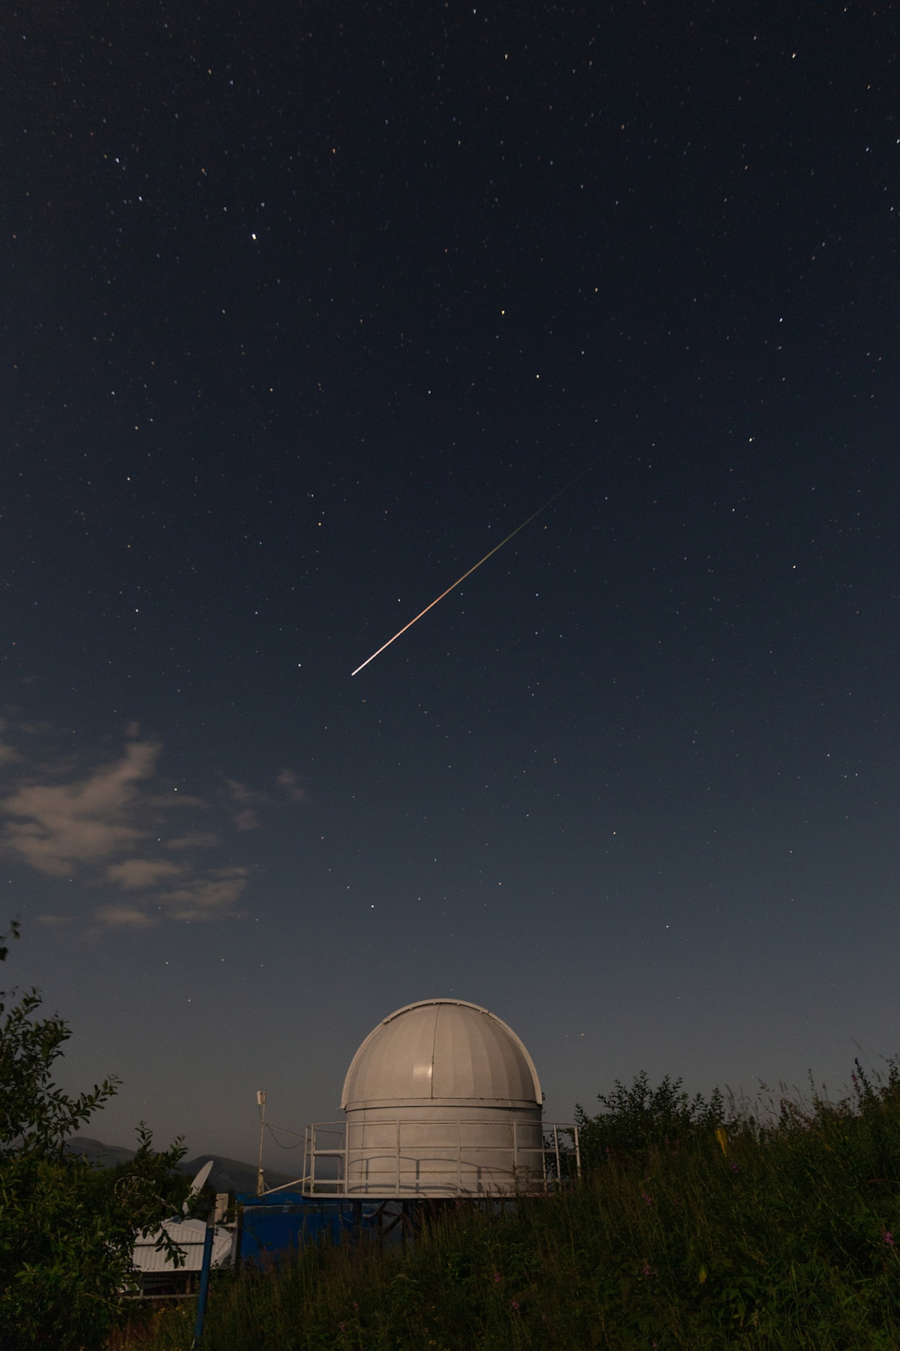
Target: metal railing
x,y
332,1166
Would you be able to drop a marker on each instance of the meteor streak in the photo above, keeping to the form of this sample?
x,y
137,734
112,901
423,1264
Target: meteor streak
x,y
488,555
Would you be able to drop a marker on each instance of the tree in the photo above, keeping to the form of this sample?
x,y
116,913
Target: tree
x,y
67,1230
639,1119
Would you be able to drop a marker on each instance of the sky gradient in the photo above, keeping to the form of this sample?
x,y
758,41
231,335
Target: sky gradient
x,y
305,308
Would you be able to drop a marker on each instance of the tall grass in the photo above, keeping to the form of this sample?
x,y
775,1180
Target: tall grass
x,y
783,1234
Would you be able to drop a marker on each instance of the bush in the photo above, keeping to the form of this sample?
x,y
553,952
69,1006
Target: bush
x,y
641,1118
67,1228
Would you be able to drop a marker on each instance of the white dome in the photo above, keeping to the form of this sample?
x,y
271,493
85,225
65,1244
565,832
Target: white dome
x,y
445,1052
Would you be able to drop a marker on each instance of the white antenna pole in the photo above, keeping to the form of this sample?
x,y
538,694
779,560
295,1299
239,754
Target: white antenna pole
x,y
261,1101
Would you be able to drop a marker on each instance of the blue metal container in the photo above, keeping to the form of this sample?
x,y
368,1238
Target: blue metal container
x,y
271,1226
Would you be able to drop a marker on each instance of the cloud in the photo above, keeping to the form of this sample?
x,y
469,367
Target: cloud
x,y
8,754
247,819
124,917
248,800
143,872
110,826
57,827
247,797
194,839
290,784
210,897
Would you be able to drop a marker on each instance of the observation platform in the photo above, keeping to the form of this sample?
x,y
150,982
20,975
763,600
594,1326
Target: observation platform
x,y
422,1158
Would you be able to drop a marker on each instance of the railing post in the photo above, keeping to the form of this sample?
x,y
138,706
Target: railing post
x,y
204,1278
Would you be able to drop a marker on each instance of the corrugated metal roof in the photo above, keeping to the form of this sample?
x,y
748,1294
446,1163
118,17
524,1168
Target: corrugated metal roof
x,y
190,1236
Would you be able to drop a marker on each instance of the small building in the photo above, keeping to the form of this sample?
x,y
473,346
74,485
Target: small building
x,y
442,1099
160,1278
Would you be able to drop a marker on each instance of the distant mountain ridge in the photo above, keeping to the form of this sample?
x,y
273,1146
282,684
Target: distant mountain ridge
x,y
228,1175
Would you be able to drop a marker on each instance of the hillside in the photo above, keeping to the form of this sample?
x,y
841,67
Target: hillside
x,y
228,1175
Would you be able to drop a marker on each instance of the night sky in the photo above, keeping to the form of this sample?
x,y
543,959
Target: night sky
x,y
305,307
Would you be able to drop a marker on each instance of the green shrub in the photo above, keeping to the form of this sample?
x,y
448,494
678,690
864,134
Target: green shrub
x,y
67,1228
640,1118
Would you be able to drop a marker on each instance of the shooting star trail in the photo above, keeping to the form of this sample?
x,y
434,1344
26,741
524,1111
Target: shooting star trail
x,y
401,632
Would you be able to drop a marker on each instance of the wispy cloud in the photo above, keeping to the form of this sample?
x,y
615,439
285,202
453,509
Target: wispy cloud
x,y
118,826
207,897
247,819
194,839
117,917
244,795
246,801
143,872
55,827
291,786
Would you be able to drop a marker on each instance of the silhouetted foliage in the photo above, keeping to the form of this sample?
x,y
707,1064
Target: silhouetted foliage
x,y
640,1118
67,1227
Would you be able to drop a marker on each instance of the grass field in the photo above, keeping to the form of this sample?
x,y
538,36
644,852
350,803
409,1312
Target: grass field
x,y
694,1227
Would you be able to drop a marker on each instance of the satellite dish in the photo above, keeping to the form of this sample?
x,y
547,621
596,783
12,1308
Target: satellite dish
x,y
198,1183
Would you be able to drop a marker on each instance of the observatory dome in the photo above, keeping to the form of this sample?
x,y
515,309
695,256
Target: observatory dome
x,y
441,1053
442,1099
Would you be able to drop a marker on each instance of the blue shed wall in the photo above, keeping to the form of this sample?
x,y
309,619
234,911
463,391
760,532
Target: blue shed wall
x,y
273,1225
